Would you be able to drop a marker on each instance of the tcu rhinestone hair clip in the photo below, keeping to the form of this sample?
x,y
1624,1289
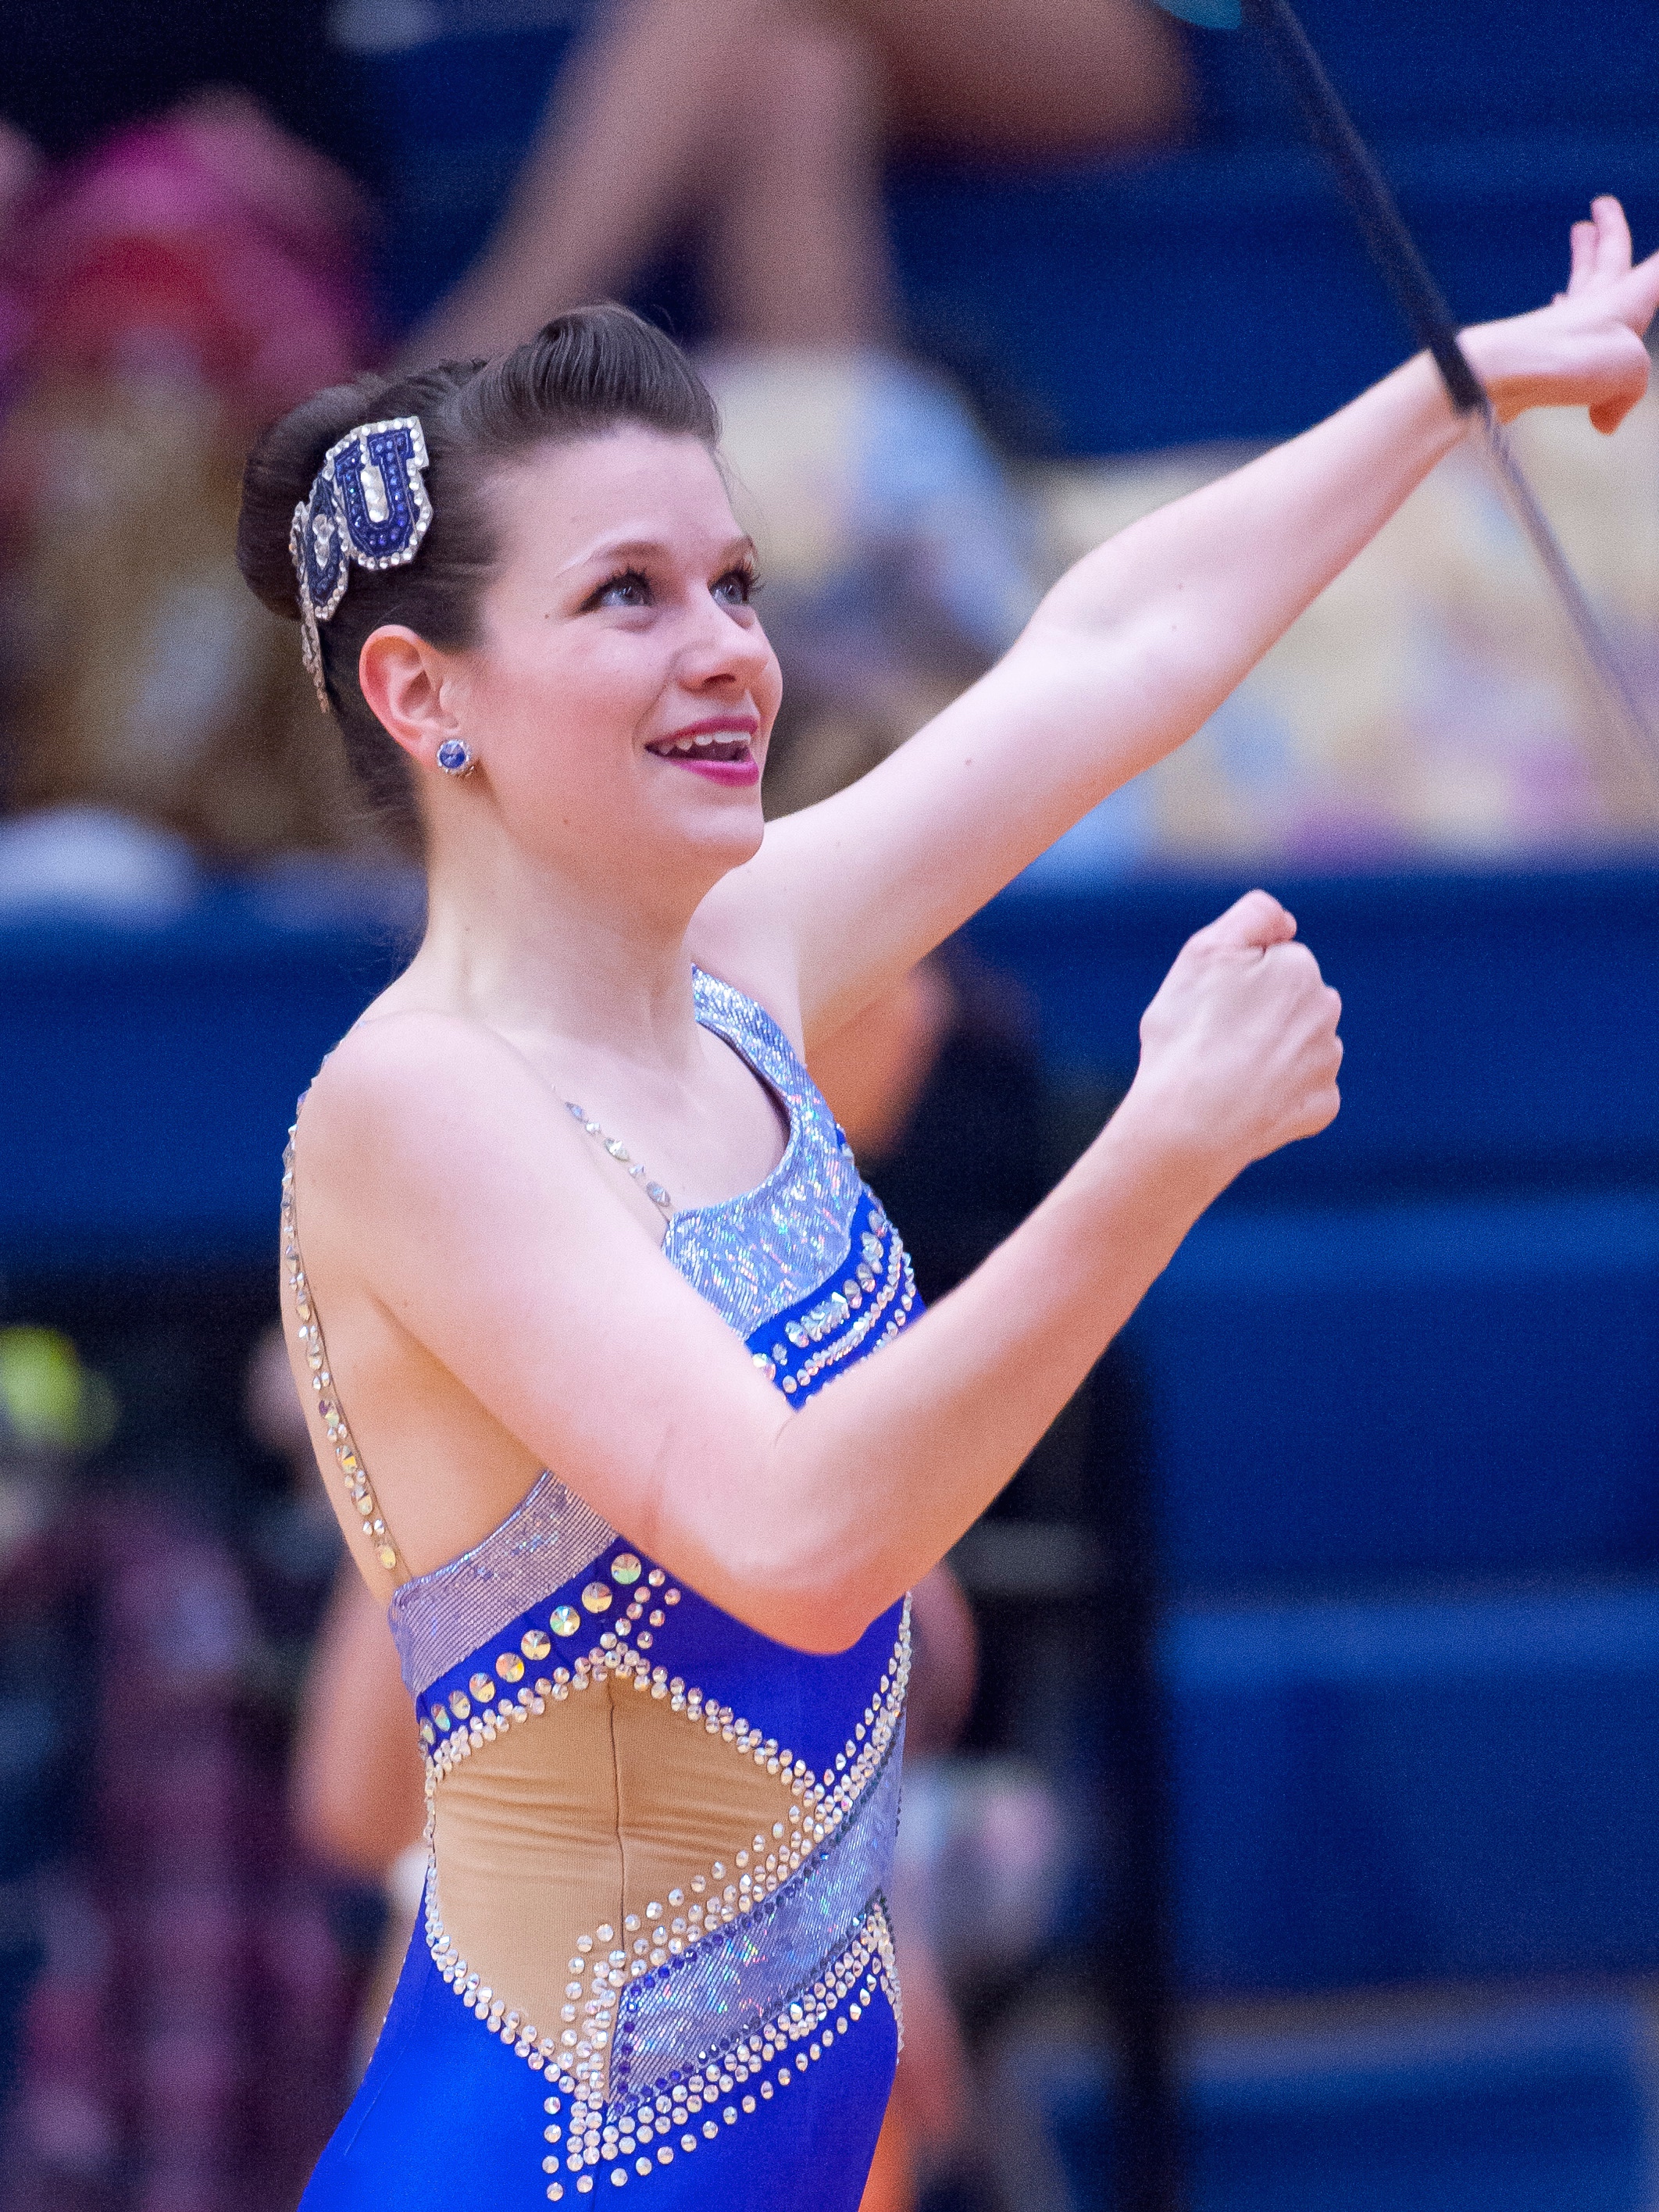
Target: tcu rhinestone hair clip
x,y
369,504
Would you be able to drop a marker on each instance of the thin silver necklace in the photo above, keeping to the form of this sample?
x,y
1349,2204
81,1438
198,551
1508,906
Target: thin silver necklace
x,y
619,1151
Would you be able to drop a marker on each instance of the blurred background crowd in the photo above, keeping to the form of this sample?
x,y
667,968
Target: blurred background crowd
x,y
1281,1819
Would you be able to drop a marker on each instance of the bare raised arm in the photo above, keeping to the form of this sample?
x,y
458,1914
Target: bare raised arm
x,y
1142,639
484,1239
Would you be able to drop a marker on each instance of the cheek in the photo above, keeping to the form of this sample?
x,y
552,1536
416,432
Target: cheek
x,y
569,696
769,689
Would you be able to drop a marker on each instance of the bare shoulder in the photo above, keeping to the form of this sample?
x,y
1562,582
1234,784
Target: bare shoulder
x,y
445,1062
425,1098
745,932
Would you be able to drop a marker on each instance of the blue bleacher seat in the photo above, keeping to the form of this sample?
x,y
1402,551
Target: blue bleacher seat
x,y
1421,69
1524,2108
1457,1386
1222,293
1388,1790
148,1073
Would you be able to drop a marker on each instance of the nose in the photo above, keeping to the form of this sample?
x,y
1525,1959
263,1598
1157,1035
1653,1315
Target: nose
x,y
724,650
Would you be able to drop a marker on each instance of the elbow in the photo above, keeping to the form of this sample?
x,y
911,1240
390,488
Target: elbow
x,y
827,1630
780,1552
797,1601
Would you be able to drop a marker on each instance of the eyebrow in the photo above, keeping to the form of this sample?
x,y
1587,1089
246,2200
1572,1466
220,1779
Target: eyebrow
x,y
645,548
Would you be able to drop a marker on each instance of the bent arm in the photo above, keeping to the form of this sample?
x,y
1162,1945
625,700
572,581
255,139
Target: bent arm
x,y
500,1252
588,1346
1142,639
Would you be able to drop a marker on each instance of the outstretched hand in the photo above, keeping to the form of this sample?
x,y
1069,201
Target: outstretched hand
x,y
1585,349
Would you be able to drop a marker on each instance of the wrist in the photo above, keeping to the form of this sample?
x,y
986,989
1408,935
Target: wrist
x,y
1441,426
1155,1143
1507,370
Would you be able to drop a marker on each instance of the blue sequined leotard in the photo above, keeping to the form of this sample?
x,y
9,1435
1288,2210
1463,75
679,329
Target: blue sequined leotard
x,y
655,1953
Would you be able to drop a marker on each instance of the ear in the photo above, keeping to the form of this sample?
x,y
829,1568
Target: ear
x,y
410,687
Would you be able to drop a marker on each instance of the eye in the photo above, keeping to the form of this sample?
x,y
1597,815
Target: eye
x,y
737,587
628,588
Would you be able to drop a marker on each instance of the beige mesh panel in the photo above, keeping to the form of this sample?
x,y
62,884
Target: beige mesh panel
x,y
578,1818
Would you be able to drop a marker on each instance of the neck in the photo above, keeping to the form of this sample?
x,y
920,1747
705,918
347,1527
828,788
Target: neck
x,y
538,952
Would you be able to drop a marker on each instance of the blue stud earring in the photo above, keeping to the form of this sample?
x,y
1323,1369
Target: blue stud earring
x,y
456,756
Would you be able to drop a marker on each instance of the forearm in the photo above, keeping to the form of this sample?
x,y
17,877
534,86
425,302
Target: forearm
x,y
1132,651
1197,590
872,1482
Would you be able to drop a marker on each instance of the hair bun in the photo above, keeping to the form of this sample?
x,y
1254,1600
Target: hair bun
x,y
279,474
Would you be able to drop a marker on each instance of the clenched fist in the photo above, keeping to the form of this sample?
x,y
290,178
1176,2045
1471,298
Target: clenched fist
x,y
1239,1051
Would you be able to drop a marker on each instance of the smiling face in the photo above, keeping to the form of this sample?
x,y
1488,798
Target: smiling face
x,y
622,692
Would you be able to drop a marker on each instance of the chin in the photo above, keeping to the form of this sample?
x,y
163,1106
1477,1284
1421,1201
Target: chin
x,y
722,836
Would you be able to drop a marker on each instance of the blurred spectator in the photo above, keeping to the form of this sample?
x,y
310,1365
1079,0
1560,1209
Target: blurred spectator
x,y
752,132
894,550
1432,704
167,294
182,2047
358,1786
50,1409
755,127
940,1088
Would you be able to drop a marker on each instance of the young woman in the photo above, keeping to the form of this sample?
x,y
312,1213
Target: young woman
x,y
573,1248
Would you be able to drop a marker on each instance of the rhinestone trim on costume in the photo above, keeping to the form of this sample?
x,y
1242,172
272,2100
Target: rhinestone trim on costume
x,y
455,1710
874,1302
310,1334
743,1972
438,1619
593,2134
619,1153
753,1255
609,1967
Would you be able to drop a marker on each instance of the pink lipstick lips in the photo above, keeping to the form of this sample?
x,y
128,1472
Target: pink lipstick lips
x,y
717,749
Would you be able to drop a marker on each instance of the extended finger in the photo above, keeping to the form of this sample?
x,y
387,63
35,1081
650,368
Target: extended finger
x,y
1257,919
1583,257
1613,246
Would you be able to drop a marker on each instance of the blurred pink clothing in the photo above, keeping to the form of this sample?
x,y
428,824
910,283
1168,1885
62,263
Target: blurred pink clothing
x,y
208,243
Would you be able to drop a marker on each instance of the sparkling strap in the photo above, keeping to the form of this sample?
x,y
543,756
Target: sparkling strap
x,y
619,1151
310,1334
